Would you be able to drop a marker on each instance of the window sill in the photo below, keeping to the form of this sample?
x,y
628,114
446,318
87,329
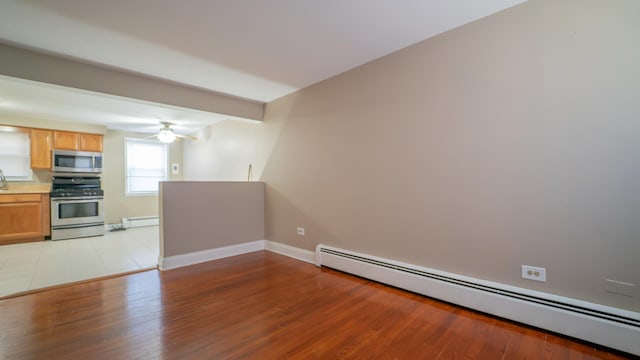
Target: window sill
x,y
141,194
10,180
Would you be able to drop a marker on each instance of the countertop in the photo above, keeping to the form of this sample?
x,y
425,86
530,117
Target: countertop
x,y
26,189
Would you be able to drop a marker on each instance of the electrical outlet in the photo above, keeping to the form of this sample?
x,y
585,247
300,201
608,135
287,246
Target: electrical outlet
x,y
300,231
534,273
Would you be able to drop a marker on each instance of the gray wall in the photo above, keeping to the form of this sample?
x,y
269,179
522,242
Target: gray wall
x,y
206,215
512,140
222,152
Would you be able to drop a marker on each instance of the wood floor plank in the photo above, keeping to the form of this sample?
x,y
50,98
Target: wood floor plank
x,y
261,306
477,336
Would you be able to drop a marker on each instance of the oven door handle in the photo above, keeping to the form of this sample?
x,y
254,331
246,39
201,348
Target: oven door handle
x,y
77,200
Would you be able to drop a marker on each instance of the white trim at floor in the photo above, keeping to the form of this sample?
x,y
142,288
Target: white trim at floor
x,y
176,261
290,251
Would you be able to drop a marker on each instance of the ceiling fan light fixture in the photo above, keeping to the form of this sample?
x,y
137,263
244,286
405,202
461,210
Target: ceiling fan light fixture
x,y
166,136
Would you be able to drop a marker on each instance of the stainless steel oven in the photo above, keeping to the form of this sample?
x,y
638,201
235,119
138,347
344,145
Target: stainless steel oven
x,y
77,217
77,207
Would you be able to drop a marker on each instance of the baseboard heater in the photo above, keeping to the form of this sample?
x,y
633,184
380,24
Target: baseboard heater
x,y
133,222
604,325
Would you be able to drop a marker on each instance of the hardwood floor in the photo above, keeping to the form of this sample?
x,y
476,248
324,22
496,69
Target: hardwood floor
x,y
261,306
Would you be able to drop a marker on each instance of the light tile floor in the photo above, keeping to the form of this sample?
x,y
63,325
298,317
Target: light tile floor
x,y
36,265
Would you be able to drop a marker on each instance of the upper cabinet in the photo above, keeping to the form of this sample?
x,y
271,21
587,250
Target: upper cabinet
x,y
91,142
67,140
41,141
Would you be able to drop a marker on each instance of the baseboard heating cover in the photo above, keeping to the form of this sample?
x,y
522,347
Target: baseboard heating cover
x,y
604,325
133,222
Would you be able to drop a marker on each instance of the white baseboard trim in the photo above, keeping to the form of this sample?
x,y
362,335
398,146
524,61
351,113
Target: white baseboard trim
x,y
197,257
604,325
290,251
133,222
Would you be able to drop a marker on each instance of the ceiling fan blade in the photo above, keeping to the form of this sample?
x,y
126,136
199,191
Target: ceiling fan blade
x,y
146,135
188,137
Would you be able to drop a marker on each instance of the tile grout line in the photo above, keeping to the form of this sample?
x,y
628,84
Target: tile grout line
x,y
43,257
33,274
104,264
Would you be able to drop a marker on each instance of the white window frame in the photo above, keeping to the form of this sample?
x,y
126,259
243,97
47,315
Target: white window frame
x,y
24,155
127,140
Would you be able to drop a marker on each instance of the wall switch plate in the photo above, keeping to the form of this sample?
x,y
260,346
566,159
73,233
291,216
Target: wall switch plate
x,y
620,287
534,273
175,168
300,231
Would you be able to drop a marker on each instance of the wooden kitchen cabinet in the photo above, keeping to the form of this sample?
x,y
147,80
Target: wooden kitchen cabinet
x,y
45,199
41,141
91,142
67,140
23,218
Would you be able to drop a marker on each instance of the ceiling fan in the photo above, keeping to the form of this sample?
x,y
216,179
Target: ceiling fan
x,y
167,135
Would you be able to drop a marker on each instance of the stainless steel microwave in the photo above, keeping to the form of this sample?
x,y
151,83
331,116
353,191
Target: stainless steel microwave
x,y
69,161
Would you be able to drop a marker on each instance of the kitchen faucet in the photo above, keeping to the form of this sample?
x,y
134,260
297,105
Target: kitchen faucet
x,y
3,180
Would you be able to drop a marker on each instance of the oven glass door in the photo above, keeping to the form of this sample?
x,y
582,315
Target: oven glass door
x,y
76,211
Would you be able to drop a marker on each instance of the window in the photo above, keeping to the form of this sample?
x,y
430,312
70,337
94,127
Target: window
x,y
14,155
146,165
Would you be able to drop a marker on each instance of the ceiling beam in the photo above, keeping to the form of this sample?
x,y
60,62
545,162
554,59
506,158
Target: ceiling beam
x,y
37,66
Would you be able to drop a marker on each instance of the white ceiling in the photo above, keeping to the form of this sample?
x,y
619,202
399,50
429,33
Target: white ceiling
x,y
255,49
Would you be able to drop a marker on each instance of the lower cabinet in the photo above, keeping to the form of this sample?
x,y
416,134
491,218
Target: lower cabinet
x,y
24,218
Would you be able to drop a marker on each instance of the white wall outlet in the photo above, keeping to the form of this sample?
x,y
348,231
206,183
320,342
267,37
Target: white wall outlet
x,y
300,231
175,168
534,273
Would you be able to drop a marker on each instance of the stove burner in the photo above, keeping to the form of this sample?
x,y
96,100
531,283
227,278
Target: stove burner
x,y
76,192
76,186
